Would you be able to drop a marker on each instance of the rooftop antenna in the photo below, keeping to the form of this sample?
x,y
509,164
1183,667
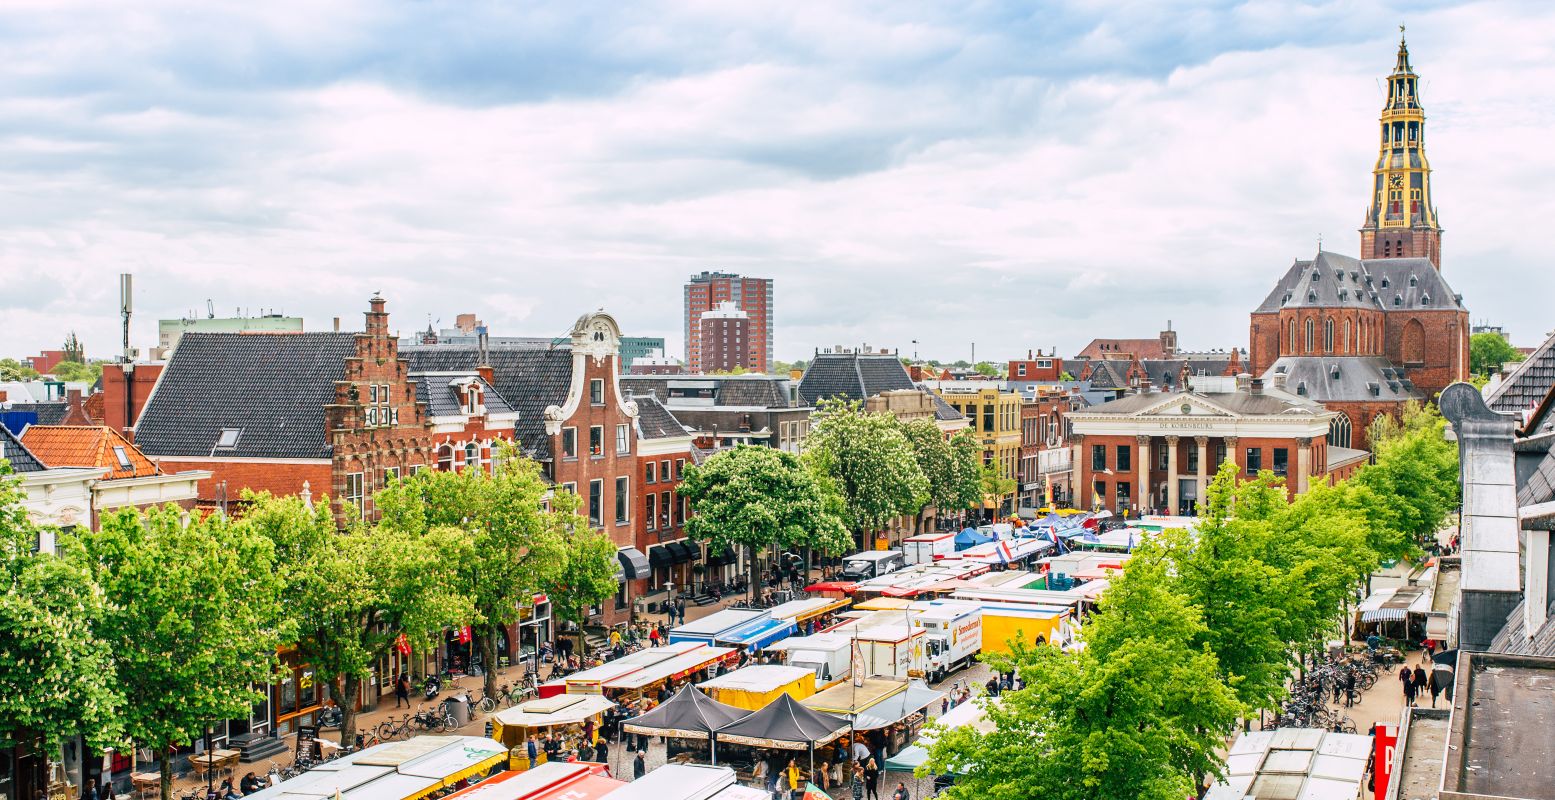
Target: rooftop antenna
x,y
126,307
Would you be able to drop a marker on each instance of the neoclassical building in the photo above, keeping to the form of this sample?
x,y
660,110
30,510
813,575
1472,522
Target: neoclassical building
x,y
1363,336
1156,451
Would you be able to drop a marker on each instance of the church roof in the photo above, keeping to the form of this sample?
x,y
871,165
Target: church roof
x,y
1332,280
1329,379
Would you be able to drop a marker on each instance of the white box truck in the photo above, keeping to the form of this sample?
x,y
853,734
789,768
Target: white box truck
x,y
870,564
892,651
828,655
954,637
922,549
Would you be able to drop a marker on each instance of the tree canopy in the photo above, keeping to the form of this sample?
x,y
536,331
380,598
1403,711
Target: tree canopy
x,y
755,497
192,617
56,676
1489,351
949,469
867,460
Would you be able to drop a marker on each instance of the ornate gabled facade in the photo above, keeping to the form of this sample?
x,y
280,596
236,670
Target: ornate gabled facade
x,y
1363,336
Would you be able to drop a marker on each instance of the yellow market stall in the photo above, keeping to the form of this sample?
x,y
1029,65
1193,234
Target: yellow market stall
x,y
884,604
1037,624
757,685
847,700
566,715
408,770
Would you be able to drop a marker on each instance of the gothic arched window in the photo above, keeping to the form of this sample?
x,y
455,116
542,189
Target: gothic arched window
x,y
1310,328
1328,335
1414,343
1290,339
1347,336
1339,431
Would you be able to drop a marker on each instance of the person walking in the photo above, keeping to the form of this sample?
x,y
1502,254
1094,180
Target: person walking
x,y
402,690
1410,688
1349,688
1406,676
532,749
872,778
901,792
602,751
1422,681
1436,682
792,773
653,636
639,766
858,782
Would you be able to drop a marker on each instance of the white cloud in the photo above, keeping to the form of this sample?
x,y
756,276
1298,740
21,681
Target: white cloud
x,y
1022,180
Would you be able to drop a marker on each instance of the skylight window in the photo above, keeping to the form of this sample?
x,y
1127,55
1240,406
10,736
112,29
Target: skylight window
x,y
229,437
123,458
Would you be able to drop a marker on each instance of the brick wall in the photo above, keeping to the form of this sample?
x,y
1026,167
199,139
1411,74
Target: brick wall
x,y
141,379
1431,345
273,476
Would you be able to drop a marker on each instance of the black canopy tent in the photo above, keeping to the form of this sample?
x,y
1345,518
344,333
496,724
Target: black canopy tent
x,y
690,714
784,724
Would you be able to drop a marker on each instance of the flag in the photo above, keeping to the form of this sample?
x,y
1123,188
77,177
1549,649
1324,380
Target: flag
x,y
856,663
402,644
813,792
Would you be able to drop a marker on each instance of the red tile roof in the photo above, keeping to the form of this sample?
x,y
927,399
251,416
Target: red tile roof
x,y
87,446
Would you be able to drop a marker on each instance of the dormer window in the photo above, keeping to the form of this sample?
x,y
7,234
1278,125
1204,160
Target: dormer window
x,y
1316,275
472,399
1398,300
228,438
1414,281
1425,299
1301,388
1384,283
123,458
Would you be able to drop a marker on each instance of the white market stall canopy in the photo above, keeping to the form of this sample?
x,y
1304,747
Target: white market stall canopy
x,y
1308,763
394,770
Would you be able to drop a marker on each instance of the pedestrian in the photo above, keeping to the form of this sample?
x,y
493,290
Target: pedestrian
x,y
639,766
615,638
858,782
402,690
1349,688
588,730
901,792
759,774
642,742
1421,682
1410,690
586,752
90,791
872,778
944,704
792,773
653,636
1406,676
532,749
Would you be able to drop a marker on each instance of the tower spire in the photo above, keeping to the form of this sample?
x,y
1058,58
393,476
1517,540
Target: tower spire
x,y
1401,218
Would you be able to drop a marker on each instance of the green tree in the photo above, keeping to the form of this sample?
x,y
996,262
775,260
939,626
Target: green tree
x,y
56,676
868,462
967,470
352,593
988,368
1413,480
75,352
1489,351
13,370
75,371
937,461
1138,713
587,576
753,497
515,541
192,616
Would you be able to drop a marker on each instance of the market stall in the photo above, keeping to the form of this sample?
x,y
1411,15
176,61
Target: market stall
x,y
707,629
689,715
407,770
568,716
553,781
883,604
848,699
686,782
677,671
756,634
783,724
807,610
901,716
758,685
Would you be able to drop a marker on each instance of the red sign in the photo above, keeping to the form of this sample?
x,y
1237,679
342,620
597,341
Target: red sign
x,y
402,644
1382,759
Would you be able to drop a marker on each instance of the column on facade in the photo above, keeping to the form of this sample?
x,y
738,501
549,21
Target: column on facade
x,y
1231,453
1080,493
1142,465
1171,475
1202,479
1303,462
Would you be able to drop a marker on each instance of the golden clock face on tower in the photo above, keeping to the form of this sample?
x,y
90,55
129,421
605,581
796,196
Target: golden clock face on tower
x,y
1397,180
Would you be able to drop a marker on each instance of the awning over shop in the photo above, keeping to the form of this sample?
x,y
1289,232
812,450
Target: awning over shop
x,y
1384,615
661,556
898,707
683,551
634,565
758,633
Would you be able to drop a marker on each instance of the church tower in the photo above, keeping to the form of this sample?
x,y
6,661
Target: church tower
x,y
1401,221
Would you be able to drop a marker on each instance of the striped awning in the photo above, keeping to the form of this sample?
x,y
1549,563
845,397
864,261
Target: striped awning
x,y
1383,615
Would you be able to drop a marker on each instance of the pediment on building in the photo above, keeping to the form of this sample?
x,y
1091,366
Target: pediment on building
x,y
1185,406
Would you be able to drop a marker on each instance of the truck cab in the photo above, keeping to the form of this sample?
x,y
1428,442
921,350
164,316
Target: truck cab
x,y
871,564
953,637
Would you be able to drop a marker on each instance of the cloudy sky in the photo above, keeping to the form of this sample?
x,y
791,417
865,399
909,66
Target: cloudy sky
x,y
1017,175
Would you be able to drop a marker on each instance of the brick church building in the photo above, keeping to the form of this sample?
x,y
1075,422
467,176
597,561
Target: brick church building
x,y
1363,336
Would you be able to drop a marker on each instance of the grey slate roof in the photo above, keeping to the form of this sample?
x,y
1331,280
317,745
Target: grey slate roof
x,y
50,412
755,391
1109,374
852,376
21,459
1339,378
1332,280
271,386
443,400
1270,402
1513,641
944,411
654,421
1165,372
1528,384
529,379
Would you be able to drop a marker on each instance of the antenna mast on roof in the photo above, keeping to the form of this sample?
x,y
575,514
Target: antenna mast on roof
x,y
126,303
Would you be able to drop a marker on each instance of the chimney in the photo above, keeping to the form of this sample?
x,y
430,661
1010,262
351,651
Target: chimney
x,y
1255,386
1278,381
1242,379
337,324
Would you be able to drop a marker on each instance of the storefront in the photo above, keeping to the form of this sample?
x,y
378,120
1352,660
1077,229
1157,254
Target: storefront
x,y
296,697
